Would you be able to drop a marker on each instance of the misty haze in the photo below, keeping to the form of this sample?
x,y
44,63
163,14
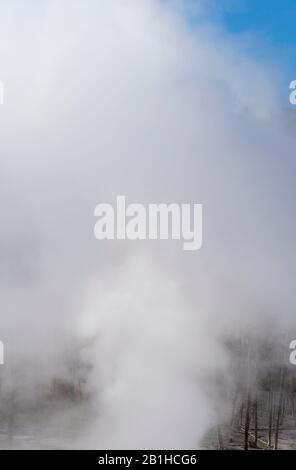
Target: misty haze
x,y
139,344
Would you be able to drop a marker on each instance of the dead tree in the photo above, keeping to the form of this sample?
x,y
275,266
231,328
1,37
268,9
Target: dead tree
x,y
270,423
247,424
255,421
279,409
270,412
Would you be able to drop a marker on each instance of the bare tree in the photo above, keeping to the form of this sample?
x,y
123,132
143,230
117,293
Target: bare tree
x,y
255,421
279,409
247,424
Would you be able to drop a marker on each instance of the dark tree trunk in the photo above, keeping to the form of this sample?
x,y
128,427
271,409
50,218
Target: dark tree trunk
x,y
247,425
255,422
279,410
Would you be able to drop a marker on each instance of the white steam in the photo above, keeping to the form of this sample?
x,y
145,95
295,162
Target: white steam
x,y
122,97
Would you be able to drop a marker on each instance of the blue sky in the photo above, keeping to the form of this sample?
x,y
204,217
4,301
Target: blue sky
x,y
268,25
272,21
